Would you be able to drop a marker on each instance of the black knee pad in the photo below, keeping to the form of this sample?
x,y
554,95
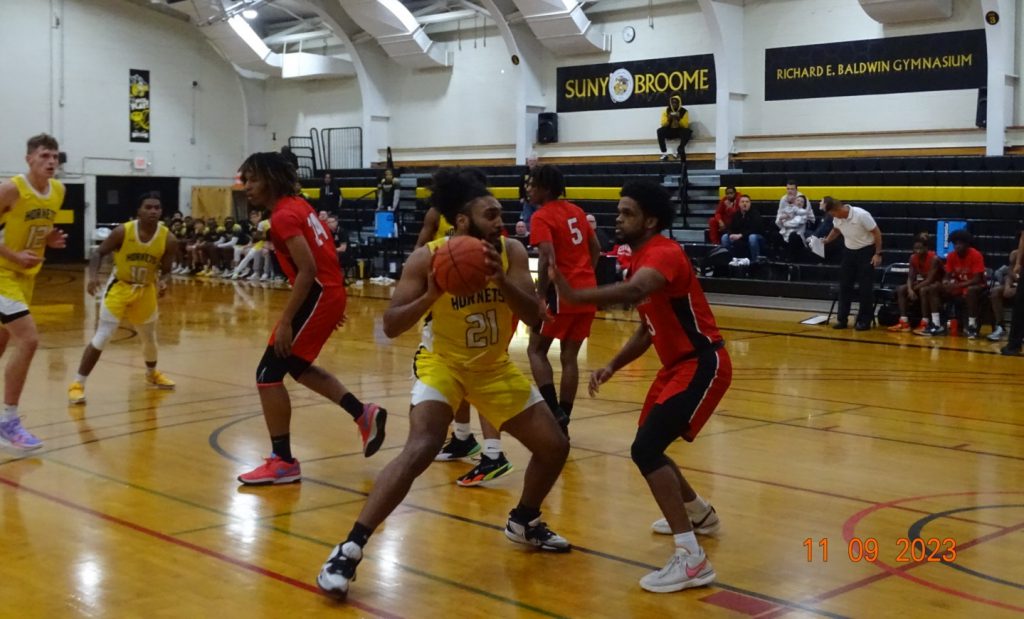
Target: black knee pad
x,y
273,368
646,458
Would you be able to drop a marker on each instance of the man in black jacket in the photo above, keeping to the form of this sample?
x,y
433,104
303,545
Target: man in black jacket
x,y
745,232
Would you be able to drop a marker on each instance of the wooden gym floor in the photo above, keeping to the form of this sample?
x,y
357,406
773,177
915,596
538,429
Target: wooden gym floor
x,y
864,440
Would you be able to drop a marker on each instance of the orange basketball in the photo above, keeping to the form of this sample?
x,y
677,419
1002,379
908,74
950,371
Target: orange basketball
x,y
460,266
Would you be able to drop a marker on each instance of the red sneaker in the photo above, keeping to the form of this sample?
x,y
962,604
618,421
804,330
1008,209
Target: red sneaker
x,y
371,427
900,327
274,470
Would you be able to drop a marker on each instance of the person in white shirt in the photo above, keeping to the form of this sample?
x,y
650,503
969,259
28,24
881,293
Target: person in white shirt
x,y
792,220
862,253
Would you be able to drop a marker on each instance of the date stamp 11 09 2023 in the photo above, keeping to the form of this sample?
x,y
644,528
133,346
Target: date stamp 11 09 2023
x,y
905,550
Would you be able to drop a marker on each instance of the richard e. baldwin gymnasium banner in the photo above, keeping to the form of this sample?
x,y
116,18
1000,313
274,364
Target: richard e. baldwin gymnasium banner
x,y
943,61
642,83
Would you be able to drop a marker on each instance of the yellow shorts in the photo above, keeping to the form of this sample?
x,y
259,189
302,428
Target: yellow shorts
x,y
136,304
15,294
499,392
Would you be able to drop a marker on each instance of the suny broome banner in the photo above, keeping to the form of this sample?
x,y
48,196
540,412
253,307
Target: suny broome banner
x,y
641,83
138,105
942,61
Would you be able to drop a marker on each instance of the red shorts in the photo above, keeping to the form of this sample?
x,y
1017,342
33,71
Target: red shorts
x,y
690,391
315,321
571,327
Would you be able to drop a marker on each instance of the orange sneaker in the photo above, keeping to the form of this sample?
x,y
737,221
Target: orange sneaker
x,y
274,470
900,327
371,427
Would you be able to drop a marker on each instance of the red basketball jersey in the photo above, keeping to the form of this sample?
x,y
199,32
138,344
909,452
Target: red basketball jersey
x,y
964,269
293,216
565,226
678,315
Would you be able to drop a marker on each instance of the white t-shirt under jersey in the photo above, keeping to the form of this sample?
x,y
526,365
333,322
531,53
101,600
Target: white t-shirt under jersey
x,y
856,228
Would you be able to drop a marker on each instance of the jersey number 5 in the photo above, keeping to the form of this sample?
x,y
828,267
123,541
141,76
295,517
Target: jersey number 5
x,y
483,329
577,234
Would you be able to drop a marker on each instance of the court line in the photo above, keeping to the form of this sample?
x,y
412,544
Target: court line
x,y
208,552
214,444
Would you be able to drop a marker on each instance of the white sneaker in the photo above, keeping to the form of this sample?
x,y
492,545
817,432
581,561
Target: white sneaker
x,y
997,335
708,525
264,277
683,571
340,569
536,534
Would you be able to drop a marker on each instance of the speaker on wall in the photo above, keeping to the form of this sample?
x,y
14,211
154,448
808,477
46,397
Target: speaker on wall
x,y
547,127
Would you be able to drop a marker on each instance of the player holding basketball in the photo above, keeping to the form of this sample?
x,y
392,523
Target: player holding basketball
x,y
464,357
315,308
462,444
695,374
28,208
563,238
144,251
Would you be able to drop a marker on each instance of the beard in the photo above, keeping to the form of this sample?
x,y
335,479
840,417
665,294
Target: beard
x,y
492,238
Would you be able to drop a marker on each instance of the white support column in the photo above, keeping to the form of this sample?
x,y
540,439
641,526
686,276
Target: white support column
x,y
1001,44
725,17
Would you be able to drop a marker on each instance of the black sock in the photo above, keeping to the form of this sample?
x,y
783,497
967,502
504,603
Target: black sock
x,y
352,405
359,534
282,447
550,396
524,515
567,407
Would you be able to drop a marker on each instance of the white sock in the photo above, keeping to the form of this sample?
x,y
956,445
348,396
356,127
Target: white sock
x,y
935,318
462,431
904,319
688,541
697,509
492,447
972,321
10,412
80,379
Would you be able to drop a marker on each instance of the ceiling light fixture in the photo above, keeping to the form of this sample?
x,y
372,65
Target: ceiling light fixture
x,y
250,14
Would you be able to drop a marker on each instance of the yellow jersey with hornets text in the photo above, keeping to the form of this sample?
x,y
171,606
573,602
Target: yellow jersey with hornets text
x,y
472,330
29,221
138,263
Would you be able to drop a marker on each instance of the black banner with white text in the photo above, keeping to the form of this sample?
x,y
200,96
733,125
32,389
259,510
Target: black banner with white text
x,y
941,61
641,83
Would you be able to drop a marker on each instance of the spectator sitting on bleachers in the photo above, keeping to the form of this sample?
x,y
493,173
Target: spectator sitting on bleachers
x,y
675,124
925,272
719,222
964,281
1004,288
792,220
745,232
522,234
602,236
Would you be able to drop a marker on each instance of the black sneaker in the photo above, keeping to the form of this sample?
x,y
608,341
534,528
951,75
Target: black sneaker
x,y
841,325
935,330
456,449
862,326
537,534
1010,351
971,332
340,569
488,470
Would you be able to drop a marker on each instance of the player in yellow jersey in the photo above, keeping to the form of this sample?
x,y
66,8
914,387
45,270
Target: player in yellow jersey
x,y
144,251
464,357
28,208
462,444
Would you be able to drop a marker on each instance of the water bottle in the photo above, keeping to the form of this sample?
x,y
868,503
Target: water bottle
x,y
954,327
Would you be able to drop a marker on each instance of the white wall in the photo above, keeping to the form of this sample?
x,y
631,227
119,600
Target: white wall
x,y
295,107
102,40
783,23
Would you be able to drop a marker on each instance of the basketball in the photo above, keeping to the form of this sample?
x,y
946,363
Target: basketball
x,y
460,266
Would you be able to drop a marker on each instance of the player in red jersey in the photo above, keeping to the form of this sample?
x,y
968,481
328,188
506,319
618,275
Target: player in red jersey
x,y
563,238
695,374
315,308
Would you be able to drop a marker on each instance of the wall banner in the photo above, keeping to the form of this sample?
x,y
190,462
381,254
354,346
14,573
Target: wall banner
x,y
641,83
941,61
138,105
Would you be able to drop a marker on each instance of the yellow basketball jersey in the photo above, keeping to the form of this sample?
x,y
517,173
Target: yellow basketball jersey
x,y
444,229
29,221
264,227
137,263
473,329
